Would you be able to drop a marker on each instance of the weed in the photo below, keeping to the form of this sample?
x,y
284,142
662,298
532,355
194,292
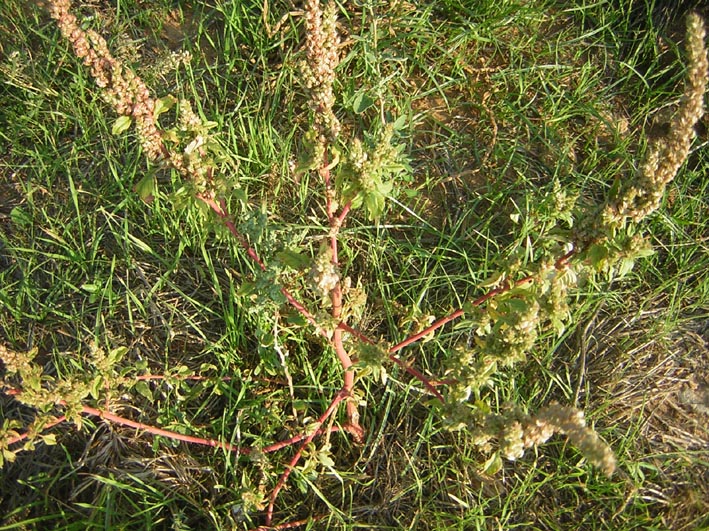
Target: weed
x,y
304,288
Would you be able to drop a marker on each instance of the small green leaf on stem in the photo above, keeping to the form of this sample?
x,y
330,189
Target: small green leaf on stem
x,y
293,259
121,125
361,102
146,188
163,105
144,389
493,465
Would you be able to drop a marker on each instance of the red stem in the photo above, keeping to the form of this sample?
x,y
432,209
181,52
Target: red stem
x,y
117,419
48,425
220,210
345,210
296,439
458,313
408,368
341,395
336,298
289,525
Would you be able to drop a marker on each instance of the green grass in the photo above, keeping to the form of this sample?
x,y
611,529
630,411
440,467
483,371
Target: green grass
x,y
501,99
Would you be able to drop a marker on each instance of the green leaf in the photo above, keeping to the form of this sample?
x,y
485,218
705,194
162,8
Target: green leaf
x,y
626,265
493,465
20,218
7,456
247,288
144,389
116,355
95,387
516,305
49,439
325,459
293,259
493,280
399,123
385,188
645,252
90,288
240,194
597,254
374,202
163,105
121,125
146,188
361,102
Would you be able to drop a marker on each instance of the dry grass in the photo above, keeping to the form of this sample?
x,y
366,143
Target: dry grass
x,y
653,385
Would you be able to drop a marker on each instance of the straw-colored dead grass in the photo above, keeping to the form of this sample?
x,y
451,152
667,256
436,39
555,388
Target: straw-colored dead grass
x,y
654,386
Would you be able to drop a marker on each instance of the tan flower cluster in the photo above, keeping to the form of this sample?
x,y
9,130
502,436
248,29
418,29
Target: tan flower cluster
x,y
666,155
323,273
121,88
516,431
14,361
571,421
191,161
322,41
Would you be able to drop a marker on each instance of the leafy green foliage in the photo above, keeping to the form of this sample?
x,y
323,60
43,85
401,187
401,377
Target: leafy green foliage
x,y
372,170
493,94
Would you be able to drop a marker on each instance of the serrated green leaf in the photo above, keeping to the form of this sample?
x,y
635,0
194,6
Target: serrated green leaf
x,y
121,125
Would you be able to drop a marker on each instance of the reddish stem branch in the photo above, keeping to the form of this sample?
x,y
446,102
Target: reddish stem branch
x,y
296,439
559,264
418,375
340,220
336,298
117,419
408,368
458,313
48,425
221,211
289,525
122,421
342,395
